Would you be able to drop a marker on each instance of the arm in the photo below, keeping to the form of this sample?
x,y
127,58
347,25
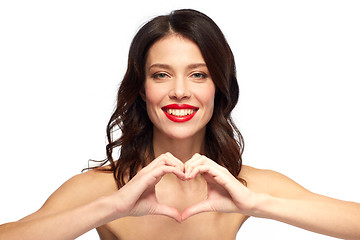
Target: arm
x,y
84,203
282,200
313,212
67,224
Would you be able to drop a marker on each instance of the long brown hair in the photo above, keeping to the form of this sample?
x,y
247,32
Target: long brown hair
x,y
223,141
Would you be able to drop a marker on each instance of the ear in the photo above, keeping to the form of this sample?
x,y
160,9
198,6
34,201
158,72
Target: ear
x,y
142,94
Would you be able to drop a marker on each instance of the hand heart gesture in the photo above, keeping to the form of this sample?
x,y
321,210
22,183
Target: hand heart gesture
x,y
224,192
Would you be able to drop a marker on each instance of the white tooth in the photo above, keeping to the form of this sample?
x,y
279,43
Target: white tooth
x,y
180,112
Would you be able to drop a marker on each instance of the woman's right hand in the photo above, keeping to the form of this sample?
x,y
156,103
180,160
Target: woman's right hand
x,y
138,196
76,208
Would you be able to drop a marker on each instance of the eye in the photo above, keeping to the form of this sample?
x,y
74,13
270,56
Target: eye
x,y
160,76
199,75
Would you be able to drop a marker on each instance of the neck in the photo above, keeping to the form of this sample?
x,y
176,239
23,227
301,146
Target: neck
x,y
182,149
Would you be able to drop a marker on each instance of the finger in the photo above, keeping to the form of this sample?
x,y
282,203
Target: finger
x,y
168,211
224,179
169,160
189,165
198,159
203,206
159,172
209,171
139,184
203,160
191,174
175,161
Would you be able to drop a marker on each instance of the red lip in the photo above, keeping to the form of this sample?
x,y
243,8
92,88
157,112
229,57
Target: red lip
x,y
179,106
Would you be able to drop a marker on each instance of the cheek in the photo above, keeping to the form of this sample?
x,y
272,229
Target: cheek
x,y
151,100
151,94
154,95
207,96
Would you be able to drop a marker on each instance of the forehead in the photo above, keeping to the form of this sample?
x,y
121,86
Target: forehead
x,y
174,50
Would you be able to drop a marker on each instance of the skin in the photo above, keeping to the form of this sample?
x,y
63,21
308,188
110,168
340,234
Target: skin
x,y
181,194
176,73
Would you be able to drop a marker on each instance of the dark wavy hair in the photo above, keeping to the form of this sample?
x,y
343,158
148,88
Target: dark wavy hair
x,y
223,141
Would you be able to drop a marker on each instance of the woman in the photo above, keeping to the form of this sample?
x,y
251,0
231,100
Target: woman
x,y
179,174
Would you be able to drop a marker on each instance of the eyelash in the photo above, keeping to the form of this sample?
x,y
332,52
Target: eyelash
x,y
164,75
202,75
157,75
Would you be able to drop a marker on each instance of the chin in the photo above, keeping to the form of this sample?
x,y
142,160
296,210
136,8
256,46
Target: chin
x,y
183,133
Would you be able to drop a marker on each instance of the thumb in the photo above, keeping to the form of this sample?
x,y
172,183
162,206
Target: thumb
x,y
200,207
168,211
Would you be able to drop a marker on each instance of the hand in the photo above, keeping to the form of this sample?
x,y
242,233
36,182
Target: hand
x,y
225,192
138,198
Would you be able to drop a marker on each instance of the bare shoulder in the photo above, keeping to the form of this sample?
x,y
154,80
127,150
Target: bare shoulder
x,y
78,190
85,187
272,182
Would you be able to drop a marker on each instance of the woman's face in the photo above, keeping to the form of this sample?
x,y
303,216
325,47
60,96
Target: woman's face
x,y
179,91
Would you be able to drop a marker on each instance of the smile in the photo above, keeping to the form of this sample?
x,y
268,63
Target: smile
x,y
179,112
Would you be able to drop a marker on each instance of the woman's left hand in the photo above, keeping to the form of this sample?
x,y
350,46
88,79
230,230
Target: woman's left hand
x,y
290,203
225,193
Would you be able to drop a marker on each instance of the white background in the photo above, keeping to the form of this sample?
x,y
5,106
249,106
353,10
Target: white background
x,y
298,69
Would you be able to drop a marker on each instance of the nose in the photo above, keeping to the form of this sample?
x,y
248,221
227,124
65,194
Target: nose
x,y
180,89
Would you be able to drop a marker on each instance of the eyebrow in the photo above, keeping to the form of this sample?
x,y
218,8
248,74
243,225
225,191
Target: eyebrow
x,y
166,66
